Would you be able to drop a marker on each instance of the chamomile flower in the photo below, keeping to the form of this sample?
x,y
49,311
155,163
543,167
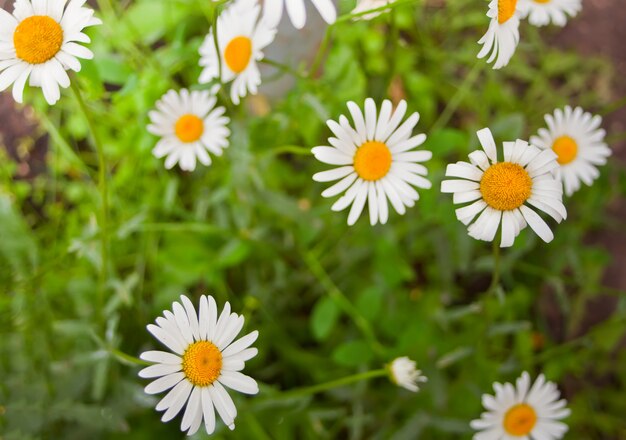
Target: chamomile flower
x,y
190,127
523,412
40,42
577,139
203,360
404,373
296,9
368,5
503,194
374,161
543,12
241,39
502,36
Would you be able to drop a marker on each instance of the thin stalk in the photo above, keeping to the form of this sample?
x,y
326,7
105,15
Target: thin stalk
x,y
290,149
394,32
316,389
495,278
104,193
343,302
217,43
283,68
321,52
455,101
127,359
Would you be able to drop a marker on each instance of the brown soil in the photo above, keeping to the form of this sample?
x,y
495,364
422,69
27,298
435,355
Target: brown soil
x,y
600,30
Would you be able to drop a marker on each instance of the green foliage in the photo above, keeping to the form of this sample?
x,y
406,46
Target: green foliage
x,y
329,300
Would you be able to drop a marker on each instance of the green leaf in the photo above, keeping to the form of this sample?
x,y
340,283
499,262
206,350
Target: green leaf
x,y
324,318
352,354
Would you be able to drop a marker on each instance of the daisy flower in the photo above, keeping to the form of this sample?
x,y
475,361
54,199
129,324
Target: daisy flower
x,y
241,39
522,412
296,9
190,126
505,193
542,12
577,139
203,360
368,5
404,373
374,161
39,42
503,34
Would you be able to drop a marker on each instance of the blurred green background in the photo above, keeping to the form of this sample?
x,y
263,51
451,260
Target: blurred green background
x,y
253,229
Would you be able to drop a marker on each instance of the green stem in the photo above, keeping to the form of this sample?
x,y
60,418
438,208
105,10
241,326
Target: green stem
x,y
394,32
104,194
216,42
343,302
290,149
321,52
315,389
283,68
495,278
128,359
455,101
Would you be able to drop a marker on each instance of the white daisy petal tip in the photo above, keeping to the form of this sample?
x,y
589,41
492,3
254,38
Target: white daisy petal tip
x,y
377,161
296,10
502,196
190,129
39,46
522,410
242,36
376,6
404,373
578,143
502,37
195,375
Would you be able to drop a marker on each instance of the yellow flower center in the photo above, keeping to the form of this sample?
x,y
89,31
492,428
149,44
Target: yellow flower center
x,y
189,128
238,53
506,9
372,160
202,363
566,148
37,39
505,186
520,420
543,1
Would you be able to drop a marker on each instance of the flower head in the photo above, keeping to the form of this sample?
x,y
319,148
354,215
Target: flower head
x,y
543,12
505,193
374,161
190,127
241,38
404,373
578,141
204,359
296,9
502,36
40,42
522,411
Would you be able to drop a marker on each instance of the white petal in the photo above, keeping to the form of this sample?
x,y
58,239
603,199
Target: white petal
x,y
159,370
164,383
537,224
239,382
